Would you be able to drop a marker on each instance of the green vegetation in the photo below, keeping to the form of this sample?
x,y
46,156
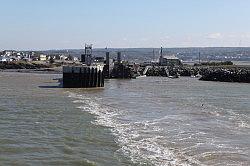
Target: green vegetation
x,y
226,63
24,65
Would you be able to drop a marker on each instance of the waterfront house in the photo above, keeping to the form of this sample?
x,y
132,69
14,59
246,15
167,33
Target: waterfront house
x,y
9,52
75,59
4,59
99,60
42,57
63,57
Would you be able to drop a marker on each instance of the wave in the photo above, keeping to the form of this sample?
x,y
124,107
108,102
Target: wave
x,y
135,139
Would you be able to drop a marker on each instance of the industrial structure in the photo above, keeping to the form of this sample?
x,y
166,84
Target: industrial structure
x,y
169,60
92,70
86,75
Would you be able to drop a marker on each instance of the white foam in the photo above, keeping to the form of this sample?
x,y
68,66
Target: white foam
x,y
243,124
135,143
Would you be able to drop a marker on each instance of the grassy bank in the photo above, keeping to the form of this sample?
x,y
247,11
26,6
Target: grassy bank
x,y
24,65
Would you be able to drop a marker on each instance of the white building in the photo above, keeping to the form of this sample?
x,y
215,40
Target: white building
x,y
75,59
9,52
42,57
4,59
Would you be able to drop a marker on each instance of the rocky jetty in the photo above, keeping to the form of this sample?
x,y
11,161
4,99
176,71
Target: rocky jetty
x,y
226,75
172,71
157,71
208,73
23,65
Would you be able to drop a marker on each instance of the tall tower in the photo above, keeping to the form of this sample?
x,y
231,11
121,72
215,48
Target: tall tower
x,y
87,56
119,58
153,54
161,57
107,67
199,58
107,57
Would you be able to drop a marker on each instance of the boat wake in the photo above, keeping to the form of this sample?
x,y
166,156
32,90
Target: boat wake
x,y
137,140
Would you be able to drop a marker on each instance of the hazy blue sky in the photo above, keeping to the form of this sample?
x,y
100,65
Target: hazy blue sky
x,y
49,24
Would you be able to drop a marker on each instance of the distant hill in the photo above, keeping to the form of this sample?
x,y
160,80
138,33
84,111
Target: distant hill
x,y
186,54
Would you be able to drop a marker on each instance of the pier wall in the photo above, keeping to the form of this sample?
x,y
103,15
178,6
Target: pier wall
x,y
83,76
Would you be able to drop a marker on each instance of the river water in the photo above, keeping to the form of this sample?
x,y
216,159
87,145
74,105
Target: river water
x,y
146,121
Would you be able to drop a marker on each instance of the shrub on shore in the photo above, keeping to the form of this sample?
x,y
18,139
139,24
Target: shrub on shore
x,y
226,63
23,65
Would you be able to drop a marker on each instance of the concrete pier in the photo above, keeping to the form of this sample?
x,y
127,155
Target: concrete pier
x,y
83,76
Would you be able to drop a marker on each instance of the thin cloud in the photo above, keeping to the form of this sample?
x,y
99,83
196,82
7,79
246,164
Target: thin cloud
x,y
214,36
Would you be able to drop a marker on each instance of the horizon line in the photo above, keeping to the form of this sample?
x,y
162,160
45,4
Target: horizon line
x,y
52,49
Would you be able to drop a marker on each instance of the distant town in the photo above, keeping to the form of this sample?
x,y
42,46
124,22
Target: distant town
x,y
138,55
12,56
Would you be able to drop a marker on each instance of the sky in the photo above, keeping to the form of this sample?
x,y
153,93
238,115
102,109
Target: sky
x,y
68,24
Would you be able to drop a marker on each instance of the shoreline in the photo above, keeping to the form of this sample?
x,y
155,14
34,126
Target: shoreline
x,y
54,70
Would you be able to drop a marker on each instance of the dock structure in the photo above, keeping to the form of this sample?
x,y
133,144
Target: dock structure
x,y
108,66
93,70
83,76
86,75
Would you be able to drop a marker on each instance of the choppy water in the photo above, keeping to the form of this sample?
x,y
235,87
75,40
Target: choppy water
x,y
147,121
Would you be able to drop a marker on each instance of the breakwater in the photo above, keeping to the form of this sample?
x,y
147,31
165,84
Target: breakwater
x,y
222,74
226,74
165,71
